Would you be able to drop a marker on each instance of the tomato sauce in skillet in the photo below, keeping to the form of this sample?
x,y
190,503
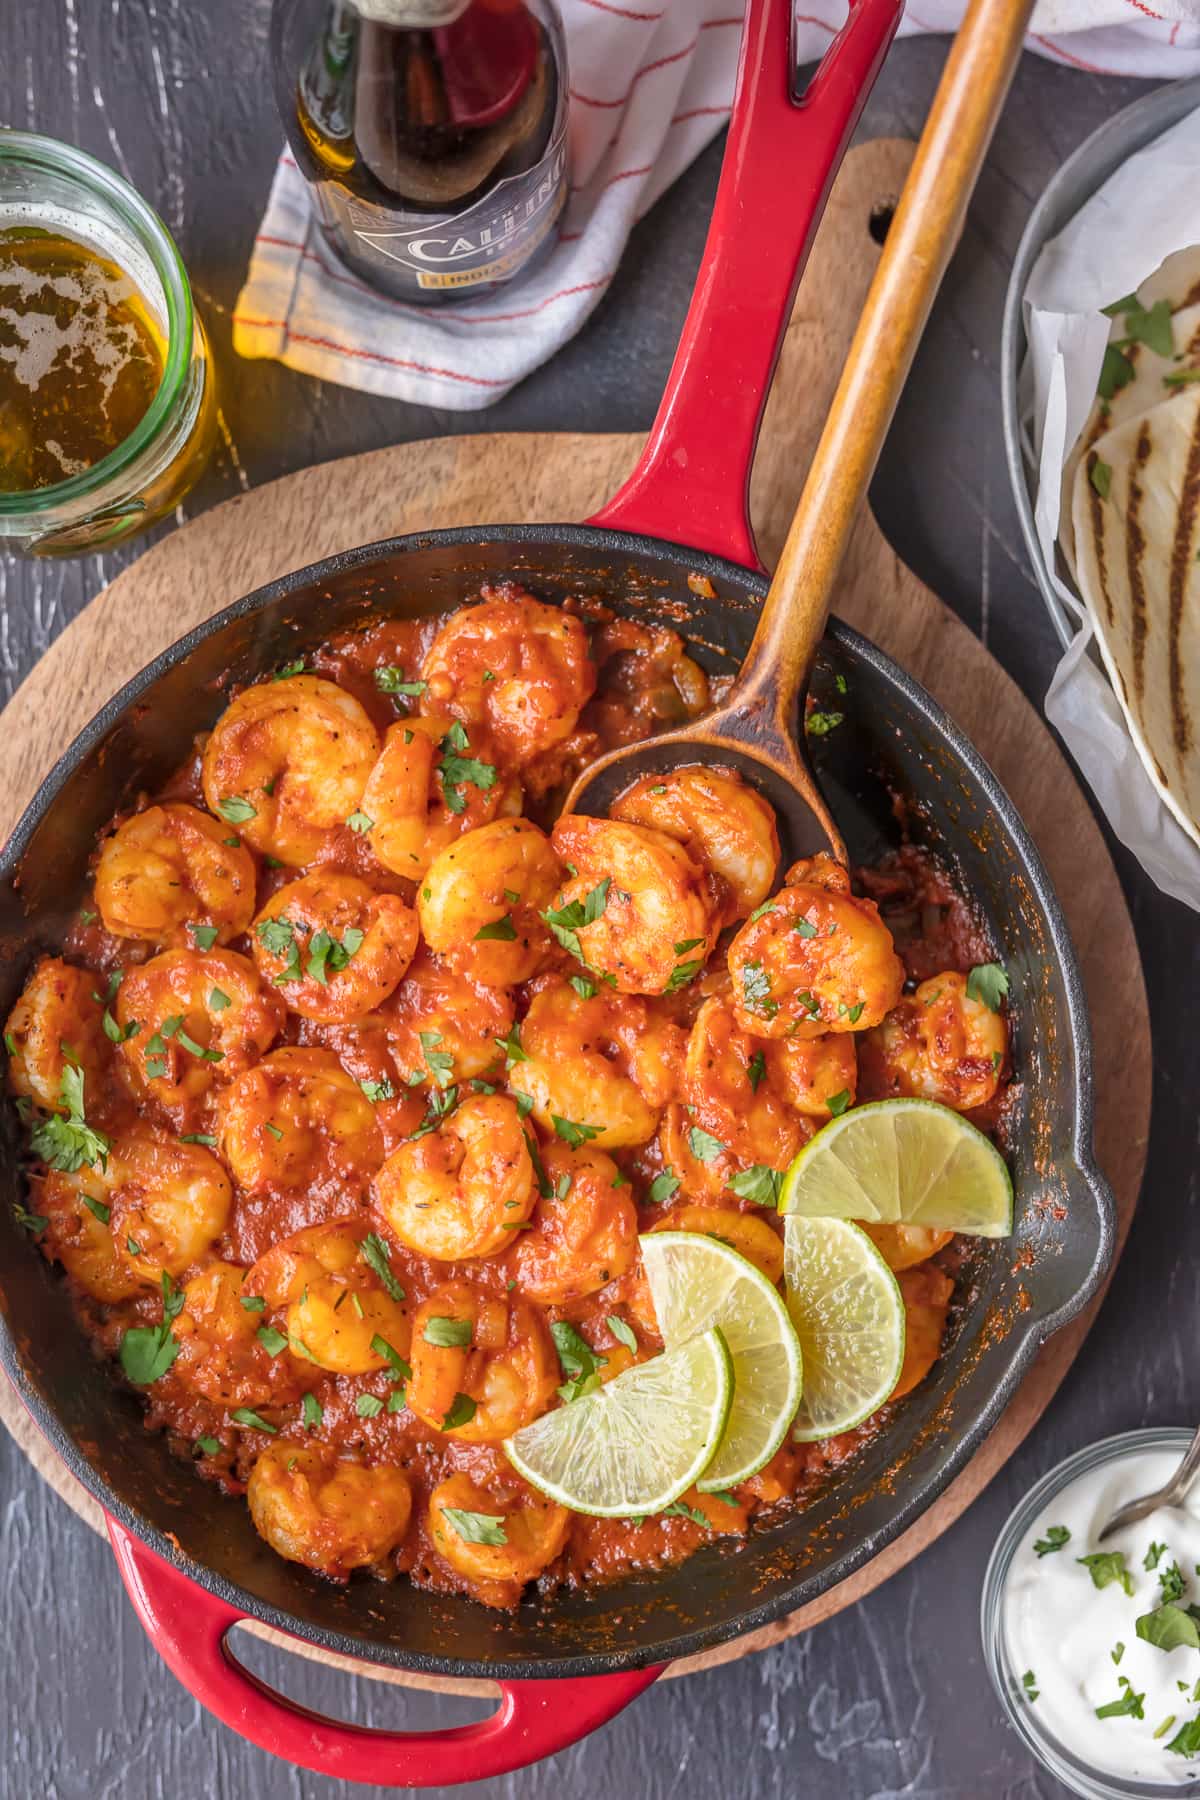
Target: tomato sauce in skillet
x,y
360,1073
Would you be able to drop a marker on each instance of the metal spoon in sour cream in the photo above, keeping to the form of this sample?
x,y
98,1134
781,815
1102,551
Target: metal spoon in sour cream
x,y
1106,1636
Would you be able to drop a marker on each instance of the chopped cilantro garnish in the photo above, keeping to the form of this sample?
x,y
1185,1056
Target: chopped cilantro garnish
x,y
447,1334
623,1332
461,1412
566,922
390,680
501,931
1106,1566
820,724
988,983
458,771
1100,476
703,1145
69,1143
572,1133
760,1184
580,1363
377,1257
475,1527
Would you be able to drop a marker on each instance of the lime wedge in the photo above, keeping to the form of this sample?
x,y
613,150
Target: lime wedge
x,y
906,1162
846,1306
696,1282
638,1442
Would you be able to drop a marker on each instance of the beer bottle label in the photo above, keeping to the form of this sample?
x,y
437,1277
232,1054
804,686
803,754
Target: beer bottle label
x,y
488,242
422,15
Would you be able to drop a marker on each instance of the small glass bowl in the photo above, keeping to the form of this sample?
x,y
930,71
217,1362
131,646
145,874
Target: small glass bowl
x,y
1055,1758
48,185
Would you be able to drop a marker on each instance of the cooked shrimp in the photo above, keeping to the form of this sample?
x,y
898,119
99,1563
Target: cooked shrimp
x,y
57,1021
482,897
338,1312
750,1233
639,908
77,1209
222,1355
435,1007
172,867
724,823
736,1116
584,1232
481,1382
170,1203
530,1528
192,1021
514,664
904,1246
317,1508
287,763
814,1071
333,946
461,1189
821,870
647,679
937,1044
606,1062
817,960
297,1120
926,1293
412,812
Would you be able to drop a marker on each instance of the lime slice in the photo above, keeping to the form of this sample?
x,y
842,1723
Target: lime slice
x,y
902,1162
638,1442
697,1282
846,1306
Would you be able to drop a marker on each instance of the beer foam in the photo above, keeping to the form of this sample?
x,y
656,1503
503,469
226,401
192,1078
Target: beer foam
x,y
82,331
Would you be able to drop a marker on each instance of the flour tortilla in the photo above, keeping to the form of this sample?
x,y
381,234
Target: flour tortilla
x,y
1137,569
1146,389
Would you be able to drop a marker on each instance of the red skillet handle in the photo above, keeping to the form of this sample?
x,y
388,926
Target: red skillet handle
x,y
692,483
188,1626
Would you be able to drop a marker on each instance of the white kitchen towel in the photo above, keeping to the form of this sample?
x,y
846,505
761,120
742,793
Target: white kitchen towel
x,y
651,84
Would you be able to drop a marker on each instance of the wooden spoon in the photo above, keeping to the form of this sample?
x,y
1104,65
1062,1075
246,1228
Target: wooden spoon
x,y
757,729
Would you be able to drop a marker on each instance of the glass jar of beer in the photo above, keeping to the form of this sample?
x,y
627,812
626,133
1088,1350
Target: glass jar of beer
x,y
107,406
432,134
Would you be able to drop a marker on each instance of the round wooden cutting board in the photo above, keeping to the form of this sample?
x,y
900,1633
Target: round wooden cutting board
x,y
543,476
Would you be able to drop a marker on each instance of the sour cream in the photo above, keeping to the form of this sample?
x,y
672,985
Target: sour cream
x,y
1074,1644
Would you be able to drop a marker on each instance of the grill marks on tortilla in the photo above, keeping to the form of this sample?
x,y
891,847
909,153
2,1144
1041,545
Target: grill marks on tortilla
x,y
1183,557
1137,568
1135,559
1097,511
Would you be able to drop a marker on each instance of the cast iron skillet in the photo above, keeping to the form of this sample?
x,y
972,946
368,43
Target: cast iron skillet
x,y
191,1559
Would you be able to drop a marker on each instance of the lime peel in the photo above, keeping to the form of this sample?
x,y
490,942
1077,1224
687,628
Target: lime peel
x,y
849,1315
696,1281
906,1162
639,1442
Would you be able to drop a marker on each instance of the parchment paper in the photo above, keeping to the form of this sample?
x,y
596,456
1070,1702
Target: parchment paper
x,y
1149,208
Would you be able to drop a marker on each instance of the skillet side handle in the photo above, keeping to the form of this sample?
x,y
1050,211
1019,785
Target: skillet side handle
x,y
692,482
188,1627
1062,1285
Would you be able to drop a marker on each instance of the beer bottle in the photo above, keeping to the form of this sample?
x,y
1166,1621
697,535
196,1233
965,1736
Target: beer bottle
x,y
432,133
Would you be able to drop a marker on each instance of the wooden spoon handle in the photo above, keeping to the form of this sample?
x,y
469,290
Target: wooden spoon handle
x,y
919,245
